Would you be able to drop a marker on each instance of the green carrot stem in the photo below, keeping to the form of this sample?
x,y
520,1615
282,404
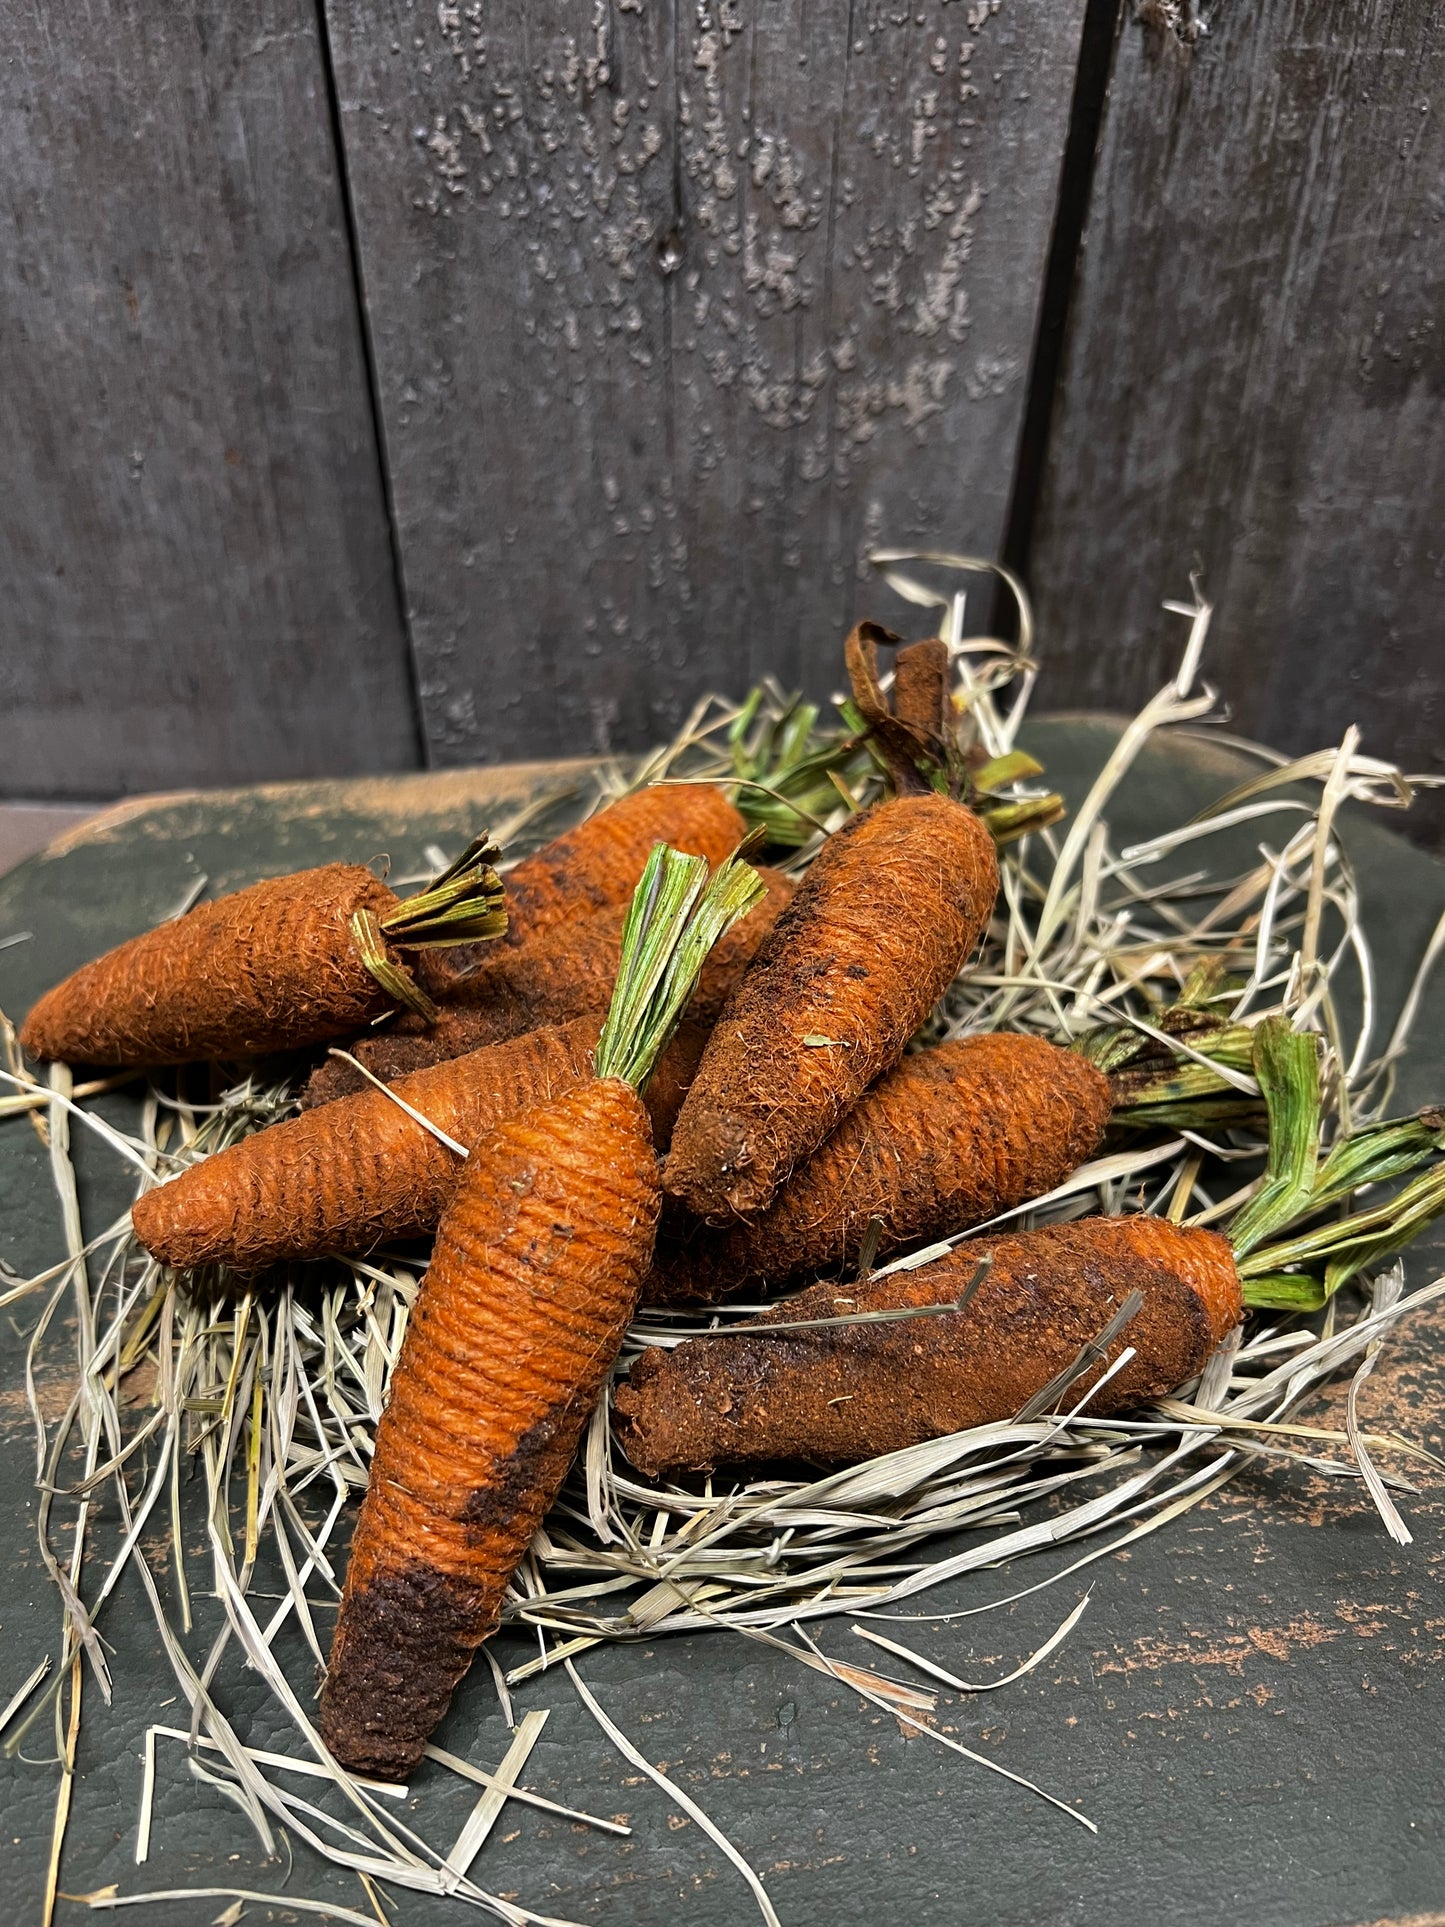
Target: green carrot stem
x,y
1143,1089
1390,1149
1001,771
1359,1238
784,768
1283,1291
394,978
1007,822
1287,1065
1331,1254
1216,1108
465,904
675,918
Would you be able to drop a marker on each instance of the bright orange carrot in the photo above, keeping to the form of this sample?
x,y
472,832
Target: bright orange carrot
x,y
536,1272
851,1392
947,1138
362,1172
289,962
879,927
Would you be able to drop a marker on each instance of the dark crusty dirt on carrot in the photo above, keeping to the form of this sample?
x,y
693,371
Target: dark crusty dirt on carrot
x,y
947,1138
848,1393
539,1259
595,865
566,973
877,930
363,1172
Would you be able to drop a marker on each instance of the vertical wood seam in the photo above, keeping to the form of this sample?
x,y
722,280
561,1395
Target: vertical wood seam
x,y
1098,42
373,380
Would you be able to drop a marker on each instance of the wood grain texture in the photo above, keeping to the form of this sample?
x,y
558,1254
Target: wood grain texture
x,y
198,579
1253,380
676,309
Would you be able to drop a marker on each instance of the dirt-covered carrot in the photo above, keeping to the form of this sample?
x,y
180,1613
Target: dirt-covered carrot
x,y
364,1171
879,927
537,1268
947,1138
289,962
850,1392
566,973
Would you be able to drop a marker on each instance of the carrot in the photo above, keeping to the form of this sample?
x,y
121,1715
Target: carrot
x,y
567,972
538,1264
363,1172
596,864
850,1392
945,1139
878,929
292,961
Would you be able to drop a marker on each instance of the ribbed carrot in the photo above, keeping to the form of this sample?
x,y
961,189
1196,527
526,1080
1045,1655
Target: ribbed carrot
x,y
537,1267
289,962
850,1392
879,927
363,1172
567,972
596,864
947,1138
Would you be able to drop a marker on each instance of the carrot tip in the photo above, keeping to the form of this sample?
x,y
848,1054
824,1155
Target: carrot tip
x,y
410,1636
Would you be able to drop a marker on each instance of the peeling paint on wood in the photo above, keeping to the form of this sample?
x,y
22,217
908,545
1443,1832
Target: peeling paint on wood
x,y
676,309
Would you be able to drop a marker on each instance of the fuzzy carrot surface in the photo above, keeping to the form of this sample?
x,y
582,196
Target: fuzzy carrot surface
x,y
595,866
947,1138
289,962
847,1393
566,973
852,1391
538,1263
878,929
363,1172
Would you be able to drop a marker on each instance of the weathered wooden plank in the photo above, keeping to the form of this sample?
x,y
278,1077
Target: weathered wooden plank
x,y
198,579
1253,379
675,310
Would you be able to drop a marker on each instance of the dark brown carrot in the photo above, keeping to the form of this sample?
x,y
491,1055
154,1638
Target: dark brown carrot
x,y
289,962
947,1138
566,973
848,1393
879,927
364,1172
537,1268
596,864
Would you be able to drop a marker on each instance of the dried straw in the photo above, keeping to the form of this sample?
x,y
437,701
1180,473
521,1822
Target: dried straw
x,y
274,1396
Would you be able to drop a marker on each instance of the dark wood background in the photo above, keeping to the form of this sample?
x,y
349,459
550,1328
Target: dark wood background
x,y
392,384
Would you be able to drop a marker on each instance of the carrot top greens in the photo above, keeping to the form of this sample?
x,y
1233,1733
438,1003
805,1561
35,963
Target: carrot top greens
x,y
676,917
462,905
1301,1269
